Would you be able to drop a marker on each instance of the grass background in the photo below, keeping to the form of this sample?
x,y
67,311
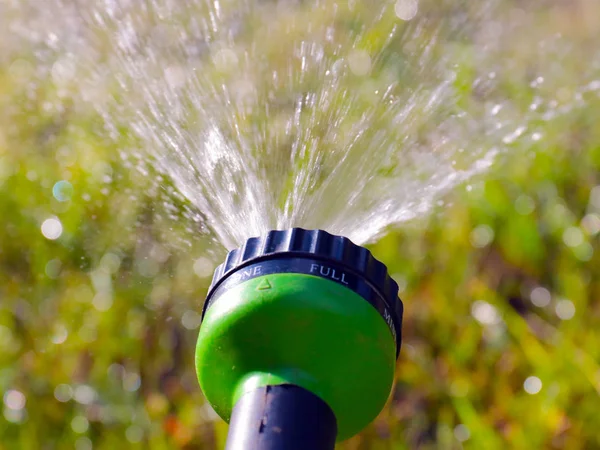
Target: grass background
x,y
97,328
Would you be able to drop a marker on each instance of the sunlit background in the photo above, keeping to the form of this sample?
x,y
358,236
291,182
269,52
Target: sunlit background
x,y
475,178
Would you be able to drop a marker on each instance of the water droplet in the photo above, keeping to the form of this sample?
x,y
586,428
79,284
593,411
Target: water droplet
x,y
537,82
496,109
512,137
537,136
330,33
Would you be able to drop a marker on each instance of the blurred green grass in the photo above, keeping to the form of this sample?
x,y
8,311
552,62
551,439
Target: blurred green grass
x,y
500,284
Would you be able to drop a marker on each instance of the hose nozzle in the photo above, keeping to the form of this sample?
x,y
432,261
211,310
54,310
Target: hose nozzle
x,y
299,308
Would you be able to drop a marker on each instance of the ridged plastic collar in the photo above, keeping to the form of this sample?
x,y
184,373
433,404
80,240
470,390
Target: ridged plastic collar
x,y
318,244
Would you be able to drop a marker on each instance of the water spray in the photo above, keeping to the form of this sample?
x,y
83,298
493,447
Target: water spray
x,y
299,338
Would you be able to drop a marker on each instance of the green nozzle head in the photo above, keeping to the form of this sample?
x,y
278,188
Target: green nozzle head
x,y
307,308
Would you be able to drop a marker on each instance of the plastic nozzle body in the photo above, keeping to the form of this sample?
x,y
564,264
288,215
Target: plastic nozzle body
x,y
321,319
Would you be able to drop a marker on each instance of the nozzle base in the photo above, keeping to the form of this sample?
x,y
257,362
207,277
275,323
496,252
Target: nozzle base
x,y
283,417
298,329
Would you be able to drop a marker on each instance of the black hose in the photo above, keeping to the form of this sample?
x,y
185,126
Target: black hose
x,y
284,417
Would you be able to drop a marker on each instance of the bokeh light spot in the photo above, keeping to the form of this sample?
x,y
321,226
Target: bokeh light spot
x,y
60,334
532,385
595,197
85,394
524,205
80,424
203,267
573,237
225,59
131,381
14,415
83,443
565,309
134,434
53,268
591,224
52,228
482,236
485,313
540,296
63,393
111,262
191,320
103,301
14,399
461,432
359,62
62,191
584,252
406,9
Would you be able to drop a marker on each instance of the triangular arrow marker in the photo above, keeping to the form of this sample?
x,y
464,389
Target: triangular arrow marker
x,y
264,285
